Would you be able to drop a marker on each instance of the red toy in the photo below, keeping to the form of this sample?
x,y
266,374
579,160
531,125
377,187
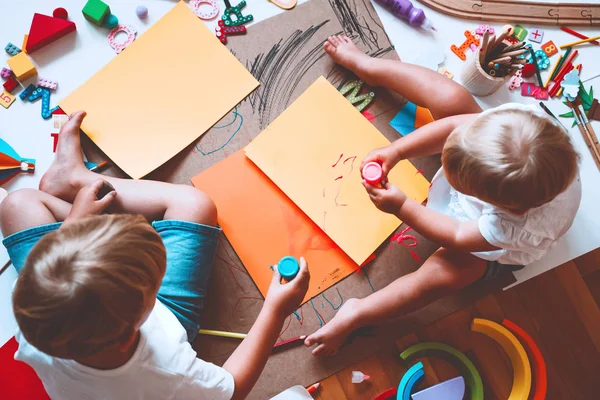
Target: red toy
x,y
60,13
10,84
45,30
17,379
223,31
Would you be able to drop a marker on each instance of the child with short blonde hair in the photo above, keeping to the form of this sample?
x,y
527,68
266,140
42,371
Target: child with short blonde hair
x,y
108,305
508,189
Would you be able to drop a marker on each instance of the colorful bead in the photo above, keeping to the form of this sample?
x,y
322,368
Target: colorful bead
x,y
112,21
141,11
60,13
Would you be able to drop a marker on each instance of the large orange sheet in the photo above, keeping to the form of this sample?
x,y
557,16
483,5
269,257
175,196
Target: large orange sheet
x,y
313,150
263,225
161,93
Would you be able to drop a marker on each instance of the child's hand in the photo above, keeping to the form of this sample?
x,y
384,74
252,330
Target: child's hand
x,y
387,198
92,200
387,157
285,298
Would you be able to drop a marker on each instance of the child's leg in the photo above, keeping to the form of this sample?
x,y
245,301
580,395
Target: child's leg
x,y
444,273
154,200
422,86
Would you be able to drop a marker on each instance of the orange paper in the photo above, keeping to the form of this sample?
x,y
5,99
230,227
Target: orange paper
x,y
263,225
313,153
161,93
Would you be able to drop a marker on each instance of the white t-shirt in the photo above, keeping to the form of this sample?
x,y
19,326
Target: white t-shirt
x,y
164,366
522,239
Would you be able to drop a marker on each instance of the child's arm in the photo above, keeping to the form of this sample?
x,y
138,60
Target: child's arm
x,y
437,227
248,360
425,141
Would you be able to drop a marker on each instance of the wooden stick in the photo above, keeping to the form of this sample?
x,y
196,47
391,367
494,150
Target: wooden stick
x,y
483,50
289,341
513,47
577,34
501,60
514,53
222,334
579,42
537,69
568,61
552,71
562,61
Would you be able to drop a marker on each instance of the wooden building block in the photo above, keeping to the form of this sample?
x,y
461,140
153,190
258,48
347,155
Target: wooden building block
x,y
519,33
45,30
96,11
10,85
6,99
22,66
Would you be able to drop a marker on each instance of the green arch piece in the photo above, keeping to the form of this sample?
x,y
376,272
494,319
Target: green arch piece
x,y
455,357
411,379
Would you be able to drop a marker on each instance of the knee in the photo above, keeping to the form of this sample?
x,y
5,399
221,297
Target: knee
x,y
16,203
197,206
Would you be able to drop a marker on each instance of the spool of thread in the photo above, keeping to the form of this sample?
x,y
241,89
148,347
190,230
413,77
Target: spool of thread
x,y
372,173
404,9
288,267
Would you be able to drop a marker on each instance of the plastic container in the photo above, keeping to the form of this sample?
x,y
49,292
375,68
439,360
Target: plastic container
x,y
372,173
288,267
359,377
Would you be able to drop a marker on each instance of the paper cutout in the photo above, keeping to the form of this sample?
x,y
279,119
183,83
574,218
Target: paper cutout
x,y
275,226
12,164
570,85
297,153
148,126
17,379
410,118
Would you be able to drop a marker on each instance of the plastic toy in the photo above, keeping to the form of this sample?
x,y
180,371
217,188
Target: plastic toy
x,y
12,50
45,30
22,66
141,11
410,380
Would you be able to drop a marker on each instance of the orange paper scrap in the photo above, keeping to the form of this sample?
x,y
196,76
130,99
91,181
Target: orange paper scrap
x,y
141,123
263,225
313,150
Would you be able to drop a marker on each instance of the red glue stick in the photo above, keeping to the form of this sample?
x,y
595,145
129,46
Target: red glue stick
x,y
372,173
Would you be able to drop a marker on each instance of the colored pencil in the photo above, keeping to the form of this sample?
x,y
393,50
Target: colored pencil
x,y
568,61
564,46
292,340
562,61
537,69
312,388
222,334
550,113
552,92
577,34
552,71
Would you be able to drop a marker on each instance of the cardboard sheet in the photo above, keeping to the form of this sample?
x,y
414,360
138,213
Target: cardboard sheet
x,y
264,225
313,153
139,123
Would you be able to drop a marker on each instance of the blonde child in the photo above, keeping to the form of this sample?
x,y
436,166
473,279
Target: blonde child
x,y
107,305
508,189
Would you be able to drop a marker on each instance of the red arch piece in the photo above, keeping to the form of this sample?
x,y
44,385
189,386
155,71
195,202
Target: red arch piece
x,y
538,364
387,395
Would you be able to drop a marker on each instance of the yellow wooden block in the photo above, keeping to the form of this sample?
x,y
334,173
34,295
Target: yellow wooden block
x,y
6,99
24,47
516,353
22,66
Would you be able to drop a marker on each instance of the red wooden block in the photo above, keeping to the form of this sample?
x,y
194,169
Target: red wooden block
x,y
11,84
17,379
45,30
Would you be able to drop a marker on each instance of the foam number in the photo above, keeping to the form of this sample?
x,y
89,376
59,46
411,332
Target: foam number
x,y
285,4
240,19
6,99
128,30
363,99
549,48
223,31
206,14
542,60
460,51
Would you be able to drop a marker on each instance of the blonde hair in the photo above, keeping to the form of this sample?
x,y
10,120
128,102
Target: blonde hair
x,y
513,158
89,284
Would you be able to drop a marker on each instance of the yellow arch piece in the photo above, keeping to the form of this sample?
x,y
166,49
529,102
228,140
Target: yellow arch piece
x,y
516,353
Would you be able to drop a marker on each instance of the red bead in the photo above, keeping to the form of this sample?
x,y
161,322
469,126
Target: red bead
x,y
528,70
60,13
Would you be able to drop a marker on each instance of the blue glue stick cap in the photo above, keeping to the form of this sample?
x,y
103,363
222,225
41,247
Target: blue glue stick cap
x,y
288,267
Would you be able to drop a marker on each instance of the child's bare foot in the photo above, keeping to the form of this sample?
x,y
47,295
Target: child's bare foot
x,y
331,336
62,178
344,52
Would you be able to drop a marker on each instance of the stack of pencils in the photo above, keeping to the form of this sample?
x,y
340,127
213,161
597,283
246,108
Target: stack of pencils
x,y
585,127
563,66
499,59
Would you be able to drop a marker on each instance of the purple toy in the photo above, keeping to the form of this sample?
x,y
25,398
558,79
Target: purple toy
x,y
405,9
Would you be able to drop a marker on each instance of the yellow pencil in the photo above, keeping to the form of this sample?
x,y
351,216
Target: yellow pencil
x,y
222,334
552,72
564,46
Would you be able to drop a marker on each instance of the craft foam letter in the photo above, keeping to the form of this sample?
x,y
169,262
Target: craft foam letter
x,y
460,51
550,48
22,66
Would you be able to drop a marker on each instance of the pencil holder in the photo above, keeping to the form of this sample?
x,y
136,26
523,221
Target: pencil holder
x,y
477,81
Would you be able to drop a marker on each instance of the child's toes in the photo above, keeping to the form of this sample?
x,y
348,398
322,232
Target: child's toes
x,y
320,350
334,40
328,47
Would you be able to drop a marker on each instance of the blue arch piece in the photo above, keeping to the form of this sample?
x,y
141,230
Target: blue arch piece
x,y
411,379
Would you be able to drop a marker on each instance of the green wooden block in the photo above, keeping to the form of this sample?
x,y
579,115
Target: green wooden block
x,y
96,11
520,33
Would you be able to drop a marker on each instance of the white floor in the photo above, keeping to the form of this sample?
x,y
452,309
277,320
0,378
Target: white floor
x,y
74,59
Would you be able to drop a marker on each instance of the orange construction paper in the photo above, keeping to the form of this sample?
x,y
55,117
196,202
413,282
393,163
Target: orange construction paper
x,y
263,225
161,93
313,150
422,117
